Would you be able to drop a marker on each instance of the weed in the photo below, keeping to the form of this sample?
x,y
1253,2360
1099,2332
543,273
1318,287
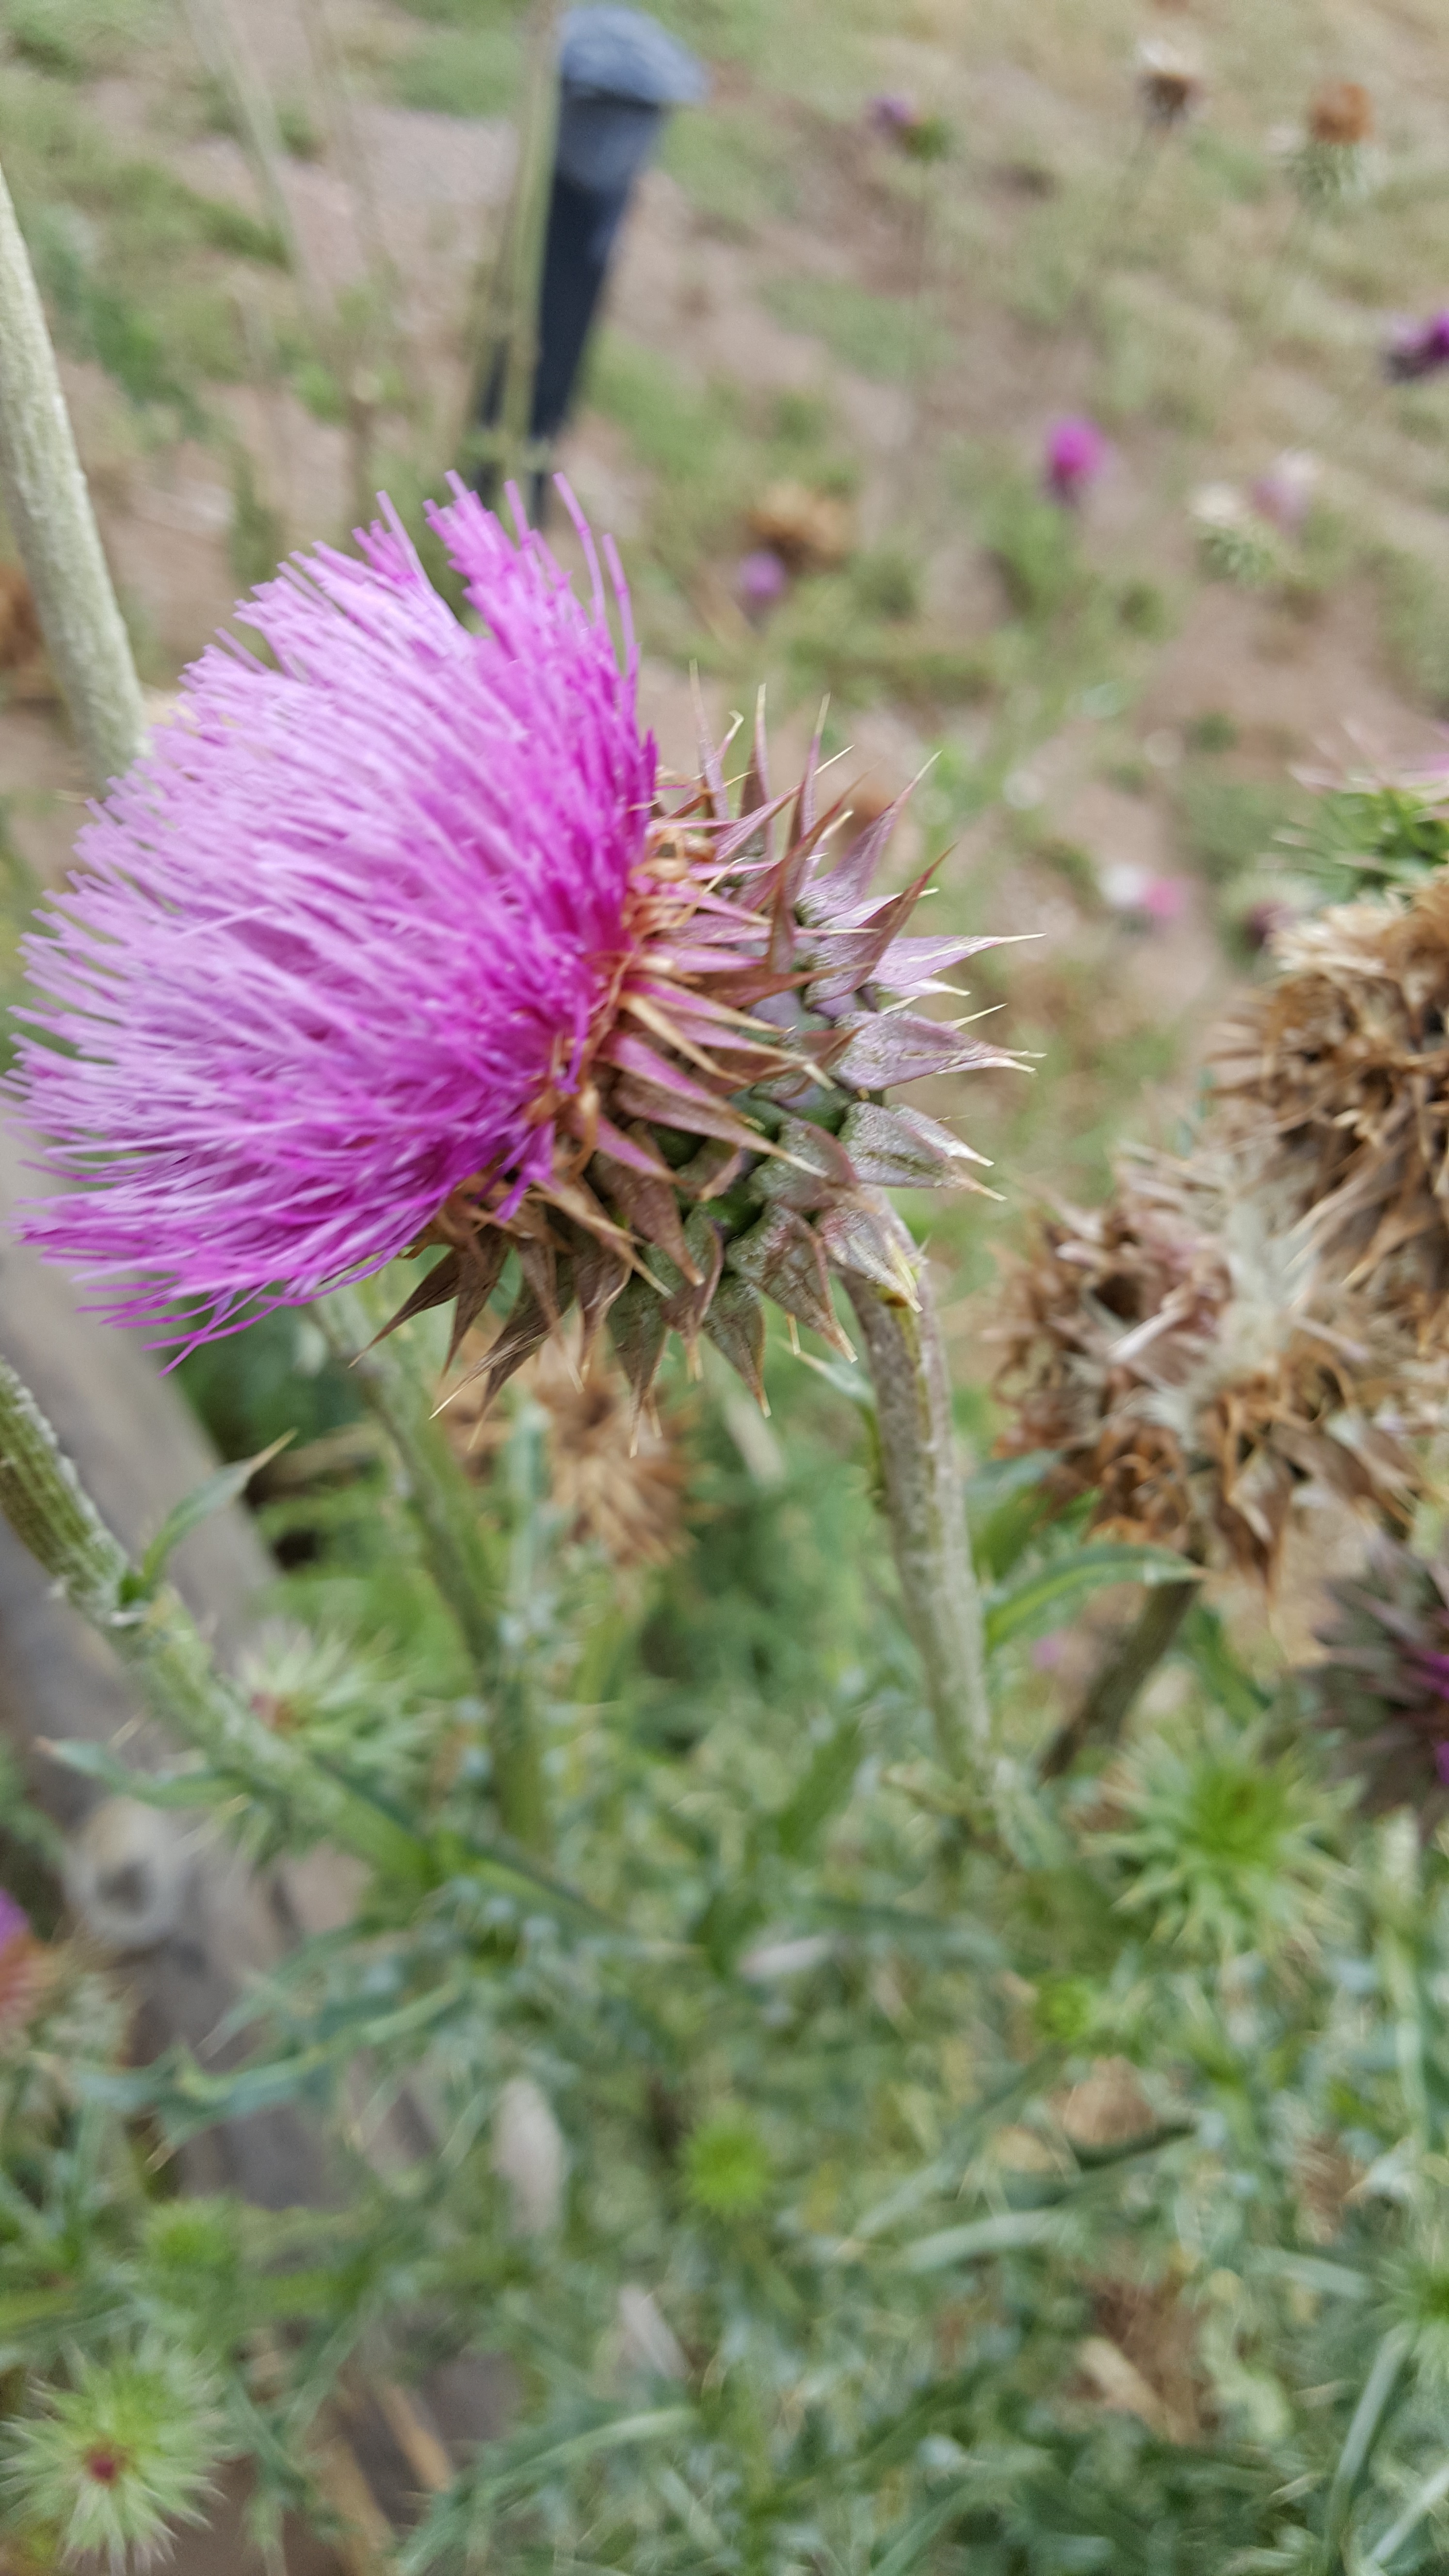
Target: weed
x,y
460,71
1229,823
878,335
72,39
257,539
734,166
887,584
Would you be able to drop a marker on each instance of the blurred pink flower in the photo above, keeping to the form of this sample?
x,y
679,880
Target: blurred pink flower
x,y
1284,494
1418,349
1165,899
891,114
1076,453
760,582
14,1921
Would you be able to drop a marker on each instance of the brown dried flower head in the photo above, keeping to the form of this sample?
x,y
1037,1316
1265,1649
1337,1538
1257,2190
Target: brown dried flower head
x,y
1341,113
617,1478
1170,82
1334,1082
810,531
1194,1380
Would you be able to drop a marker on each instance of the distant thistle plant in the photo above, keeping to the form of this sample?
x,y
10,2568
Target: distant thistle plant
x,y
1418,349
1234,542
1227,1848
899,120
395,947
117,2458
1074,458
1383,1687
1283,494
1329,167
1170,83
1373,832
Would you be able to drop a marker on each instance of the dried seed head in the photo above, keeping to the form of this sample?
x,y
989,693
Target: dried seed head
x,y
1341,113
1170,82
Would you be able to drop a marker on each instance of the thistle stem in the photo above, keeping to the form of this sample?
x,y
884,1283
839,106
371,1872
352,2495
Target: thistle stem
x,y
927,1512
49,508
473,1587
1105,1709
153,1633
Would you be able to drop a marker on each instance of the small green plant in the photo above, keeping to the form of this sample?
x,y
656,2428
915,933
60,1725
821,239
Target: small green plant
x,y
1228,1847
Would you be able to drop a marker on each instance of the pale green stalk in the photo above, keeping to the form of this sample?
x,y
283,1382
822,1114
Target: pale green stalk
x,y
927,1512
401,1394
509,315
154,1634
49,509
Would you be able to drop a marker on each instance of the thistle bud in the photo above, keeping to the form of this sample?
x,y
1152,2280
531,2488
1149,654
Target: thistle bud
x,y
1076,453
118,2457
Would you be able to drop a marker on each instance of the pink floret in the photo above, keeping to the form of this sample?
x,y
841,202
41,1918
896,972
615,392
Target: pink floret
x,y
336,936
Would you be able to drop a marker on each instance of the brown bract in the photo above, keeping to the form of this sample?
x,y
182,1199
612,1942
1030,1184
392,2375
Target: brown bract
x,y
721,1137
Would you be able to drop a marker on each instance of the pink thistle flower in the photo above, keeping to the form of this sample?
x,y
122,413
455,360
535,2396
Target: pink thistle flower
x,y
342,938
392,947
1076,453
892,114
1418,349
14,1921
760,582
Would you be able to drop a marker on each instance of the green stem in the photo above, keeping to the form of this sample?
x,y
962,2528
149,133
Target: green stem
x,y
401,1394
927,1512
49,509
509,316
153,1633
1104,1710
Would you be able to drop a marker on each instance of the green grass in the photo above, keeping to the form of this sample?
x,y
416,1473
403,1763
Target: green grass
x,y
74,39
886,336
1229,824
734,165
460,71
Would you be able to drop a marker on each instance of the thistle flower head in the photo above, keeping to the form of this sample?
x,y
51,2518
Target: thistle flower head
x,y
1284,493
1076,453
1170,82
118,2457
761,581
390,943
1330,163
1341,112
1383,1688
898,119
1418,349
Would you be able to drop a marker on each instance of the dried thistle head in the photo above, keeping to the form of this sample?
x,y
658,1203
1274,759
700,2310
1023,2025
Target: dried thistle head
x,y
1341,112
1170,82
810,531
1183,1366
1334,1091
618,1480
617,1476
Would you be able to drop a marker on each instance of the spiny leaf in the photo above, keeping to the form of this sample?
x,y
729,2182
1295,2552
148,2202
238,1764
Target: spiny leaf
x,y
781,1256
207,1498
735,1324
